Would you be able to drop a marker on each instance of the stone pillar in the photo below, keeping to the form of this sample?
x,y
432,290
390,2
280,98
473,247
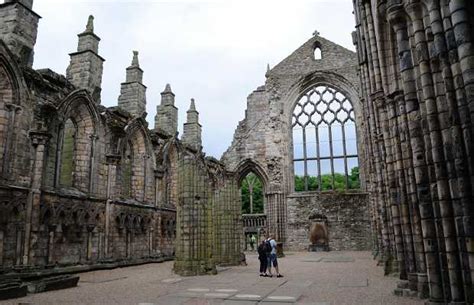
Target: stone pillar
x,y
18,253
39,140
166,119
133,93
2,235
441,133
13,110
159,187
90,229
86,66
51,234
461,19
412,104
194,219
112,163
192,129
19,29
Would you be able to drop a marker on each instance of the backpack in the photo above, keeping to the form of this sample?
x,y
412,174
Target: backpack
x,y
268,247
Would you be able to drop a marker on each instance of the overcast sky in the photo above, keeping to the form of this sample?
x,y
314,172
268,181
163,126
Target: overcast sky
x,y
213,51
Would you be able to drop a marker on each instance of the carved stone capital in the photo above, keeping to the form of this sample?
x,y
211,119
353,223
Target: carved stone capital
x,y
414,10
396,16
39,137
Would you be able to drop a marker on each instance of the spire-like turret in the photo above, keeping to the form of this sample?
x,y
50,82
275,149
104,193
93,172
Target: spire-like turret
x,y
86,66
19,28
166,119
133,93
192,129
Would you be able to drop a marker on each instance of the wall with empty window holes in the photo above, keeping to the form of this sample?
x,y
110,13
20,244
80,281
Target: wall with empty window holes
x,y
300,130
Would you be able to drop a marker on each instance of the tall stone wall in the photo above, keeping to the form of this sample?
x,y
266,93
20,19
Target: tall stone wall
x,y
263,142
416,61
209,227
82,184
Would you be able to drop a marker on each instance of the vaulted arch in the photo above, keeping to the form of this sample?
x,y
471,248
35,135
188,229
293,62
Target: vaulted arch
x,y
250,166
74,142
136,173
12,99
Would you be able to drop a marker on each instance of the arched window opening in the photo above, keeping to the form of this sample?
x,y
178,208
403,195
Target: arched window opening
x,y
127,171
68,149
324,141
317,53
252,194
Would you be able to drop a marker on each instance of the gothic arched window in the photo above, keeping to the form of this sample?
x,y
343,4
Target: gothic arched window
x,y
67,157
127,171
317,53
324,141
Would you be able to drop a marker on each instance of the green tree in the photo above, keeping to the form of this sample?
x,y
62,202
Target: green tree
x,y
252,180
326,181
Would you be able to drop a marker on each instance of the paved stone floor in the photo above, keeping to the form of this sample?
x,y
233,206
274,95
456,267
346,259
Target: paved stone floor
x,y
331,278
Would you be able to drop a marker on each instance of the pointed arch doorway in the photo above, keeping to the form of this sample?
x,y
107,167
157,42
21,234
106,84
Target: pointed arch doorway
x,y
252,185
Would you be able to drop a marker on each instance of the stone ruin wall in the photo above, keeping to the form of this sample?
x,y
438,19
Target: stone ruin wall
x,y
121,201
263,144
347,215
416,66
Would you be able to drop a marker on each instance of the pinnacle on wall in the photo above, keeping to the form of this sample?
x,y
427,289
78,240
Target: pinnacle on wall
x,y
192,129
167,90
166,119
135,62
90,25
192,107
132,92
86,65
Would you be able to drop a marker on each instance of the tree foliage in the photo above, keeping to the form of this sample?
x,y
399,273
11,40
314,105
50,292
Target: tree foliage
x,y
339,183
326,181
257,194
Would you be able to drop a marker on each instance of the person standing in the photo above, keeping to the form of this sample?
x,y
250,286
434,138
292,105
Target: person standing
x,y
272,257
252,241
262,257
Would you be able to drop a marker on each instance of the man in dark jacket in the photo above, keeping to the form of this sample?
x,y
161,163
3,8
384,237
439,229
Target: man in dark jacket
x,y
262,257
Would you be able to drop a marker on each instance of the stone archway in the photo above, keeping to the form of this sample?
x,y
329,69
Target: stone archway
x,y
252,184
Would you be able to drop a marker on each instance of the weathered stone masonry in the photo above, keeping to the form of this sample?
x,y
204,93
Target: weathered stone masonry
x,y
82,184
263,145
416,67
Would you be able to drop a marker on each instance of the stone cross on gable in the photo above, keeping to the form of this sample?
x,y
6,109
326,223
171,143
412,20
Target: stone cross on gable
x,y
316,33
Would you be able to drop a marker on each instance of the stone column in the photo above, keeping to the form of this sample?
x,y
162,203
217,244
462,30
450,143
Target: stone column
x,y
441,129
90,229
39,140
51,234
159,187
461,18
12,109
412,104
2,234
92,165
112,163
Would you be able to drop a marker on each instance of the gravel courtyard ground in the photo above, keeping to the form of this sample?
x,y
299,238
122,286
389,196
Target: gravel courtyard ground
x,y
329,278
